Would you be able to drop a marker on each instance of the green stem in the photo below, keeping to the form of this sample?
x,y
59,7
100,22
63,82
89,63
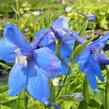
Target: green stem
x,y
106,89
17,9
85,86
63,83
26,23
57,48
26,100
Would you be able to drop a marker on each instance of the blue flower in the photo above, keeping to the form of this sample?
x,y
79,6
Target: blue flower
x,y
32,67
91,17
90,59
59,30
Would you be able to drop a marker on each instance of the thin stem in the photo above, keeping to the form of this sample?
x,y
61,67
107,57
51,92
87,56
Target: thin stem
x,y
85,85
106,90
17,9
26,23
26,100
63,83
54,105
57,48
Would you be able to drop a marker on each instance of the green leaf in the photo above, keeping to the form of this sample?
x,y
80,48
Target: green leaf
x,y
79,49
83,29
21,100
5,98
5,107
3,88
83,105
52,92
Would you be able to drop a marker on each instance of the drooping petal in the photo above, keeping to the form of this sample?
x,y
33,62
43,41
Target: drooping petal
x,y
101,59
46,59
87,68
38,84
14,35
17,80
91,78
47,39
96,68
90,67
99,43
7,51
60,22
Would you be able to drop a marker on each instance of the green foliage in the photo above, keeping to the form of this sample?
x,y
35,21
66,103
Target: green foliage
x,y
100,9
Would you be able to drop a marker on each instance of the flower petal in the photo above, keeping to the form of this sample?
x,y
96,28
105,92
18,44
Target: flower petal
x,y
38,84
48,38
52,46
7,51
90,67
69,41
46,59
96,68
60,22
17,80
99,43
14,35
65,52
101,59
91,78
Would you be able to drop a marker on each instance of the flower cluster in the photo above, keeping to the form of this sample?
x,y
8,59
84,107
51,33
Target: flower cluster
x,y
47,56
89,59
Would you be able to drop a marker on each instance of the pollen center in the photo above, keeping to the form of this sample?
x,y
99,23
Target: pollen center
x,y
22,60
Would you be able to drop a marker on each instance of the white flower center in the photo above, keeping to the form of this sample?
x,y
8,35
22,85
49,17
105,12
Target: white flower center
x,y
20,58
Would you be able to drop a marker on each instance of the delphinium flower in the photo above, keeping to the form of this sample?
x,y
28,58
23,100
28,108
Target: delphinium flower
x,y
91,58
88,60
32,66
60,31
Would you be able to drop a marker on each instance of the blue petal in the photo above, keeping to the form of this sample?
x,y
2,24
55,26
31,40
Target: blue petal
x,y
89,65
59,33
69,41
17,80
65,52
60,22
38,84
99,43
46,59
96,68
14,35
48,38
101,59
91,78
52,46
7,51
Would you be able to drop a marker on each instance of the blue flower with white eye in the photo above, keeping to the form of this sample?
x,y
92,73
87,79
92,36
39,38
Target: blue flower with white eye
x,y
59,30
32,66
90,59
